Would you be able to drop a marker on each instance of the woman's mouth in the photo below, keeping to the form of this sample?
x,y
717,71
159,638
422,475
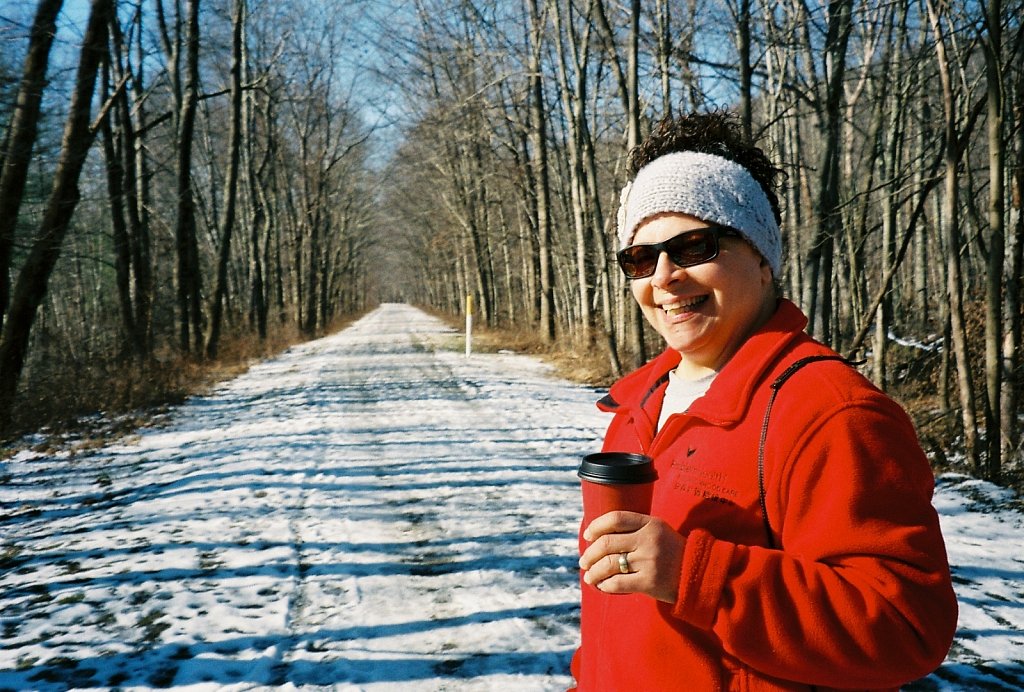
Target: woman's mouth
x,y
681,306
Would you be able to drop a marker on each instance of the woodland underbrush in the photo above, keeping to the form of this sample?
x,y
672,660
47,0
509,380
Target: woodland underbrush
x,y
72,403
581,363
917,383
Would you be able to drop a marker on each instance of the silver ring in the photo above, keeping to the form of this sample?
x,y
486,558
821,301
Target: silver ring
x,y
623,563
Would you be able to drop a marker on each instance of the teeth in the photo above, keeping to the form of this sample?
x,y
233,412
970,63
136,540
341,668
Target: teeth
x,y
675,308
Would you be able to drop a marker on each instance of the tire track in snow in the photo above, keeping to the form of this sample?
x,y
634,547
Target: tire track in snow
x,y
441,474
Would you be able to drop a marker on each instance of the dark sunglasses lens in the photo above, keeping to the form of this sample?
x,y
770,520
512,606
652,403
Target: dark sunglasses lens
x,y
638,261
694,247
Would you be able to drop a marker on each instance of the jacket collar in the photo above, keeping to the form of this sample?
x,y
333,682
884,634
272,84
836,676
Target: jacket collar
x,y
728,398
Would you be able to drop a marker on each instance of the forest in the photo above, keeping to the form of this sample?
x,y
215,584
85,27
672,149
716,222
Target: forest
x,y
177,176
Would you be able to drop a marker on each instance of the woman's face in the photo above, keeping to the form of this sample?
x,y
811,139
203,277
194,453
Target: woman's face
x,y
706,311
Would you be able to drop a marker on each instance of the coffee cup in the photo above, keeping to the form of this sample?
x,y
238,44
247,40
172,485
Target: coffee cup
x,y
616,481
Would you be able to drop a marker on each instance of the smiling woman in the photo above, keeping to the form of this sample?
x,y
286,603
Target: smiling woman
x,y
767,545
705,310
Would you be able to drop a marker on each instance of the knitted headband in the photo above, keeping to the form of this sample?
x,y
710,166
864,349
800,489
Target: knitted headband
x,y
709,187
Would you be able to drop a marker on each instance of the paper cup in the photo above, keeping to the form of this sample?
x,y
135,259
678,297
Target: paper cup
x,y
616,481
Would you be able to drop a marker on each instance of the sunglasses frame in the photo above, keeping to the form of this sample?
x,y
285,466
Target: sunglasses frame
x,y
715,233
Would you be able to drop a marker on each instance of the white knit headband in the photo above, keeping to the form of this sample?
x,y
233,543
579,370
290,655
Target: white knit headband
x,y
709,187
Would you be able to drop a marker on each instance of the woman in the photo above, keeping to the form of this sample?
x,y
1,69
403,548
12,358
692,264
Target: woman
x,y
791,543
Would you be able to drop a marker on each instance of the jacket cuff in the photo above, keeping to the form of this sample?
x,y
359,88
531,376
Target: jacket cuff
x,y
702,579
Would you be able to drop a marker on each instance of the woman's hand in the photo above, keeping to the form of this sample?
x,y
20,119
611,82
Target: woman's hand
x,y
654,553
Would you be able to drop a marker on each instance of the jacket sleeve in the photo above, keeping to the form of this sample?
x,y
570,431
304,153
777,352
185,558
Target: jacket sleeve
x,y
860,593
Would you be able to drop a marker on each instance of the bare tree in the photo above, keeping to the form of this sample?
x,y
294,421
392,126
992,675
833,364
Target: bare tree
x,y
1012,362
818,265
227,222
995,86
628,80
30,287
539,160
743,18
126,164
20,137
183,33
951,231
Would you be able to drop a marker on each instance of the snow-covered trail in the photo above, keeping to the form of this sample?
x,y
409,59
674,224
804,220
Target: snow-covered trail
x,y
364,511
370,511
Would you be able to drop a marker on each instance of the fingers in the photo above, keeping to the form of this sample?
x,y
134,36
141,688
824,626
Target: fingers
x,y
611,534
653,556
611,562
612,573
608,548
615,522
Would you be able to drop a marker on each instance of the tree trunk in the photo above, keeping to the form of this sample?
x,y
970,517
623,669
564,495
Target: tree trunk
x,y
136,188
573,100
664,53
997,244
892,182
115,169
921,250
30,287
743,47
819,261
1012,345
538,144
479,223
951,231
186,243
20,136
260,212
629,94
138,200
227,223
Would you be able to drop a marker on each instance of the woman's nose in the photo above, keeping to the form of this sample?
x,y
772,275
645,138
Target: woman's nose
x,y
664,271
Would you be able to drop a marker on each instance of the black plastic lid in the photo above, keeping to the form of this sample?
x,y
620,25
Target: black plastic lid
x,y
617,467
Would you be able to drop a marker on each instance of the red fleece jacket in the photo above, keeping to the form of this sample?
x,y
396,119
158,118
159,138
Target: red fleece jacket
x,y
857,595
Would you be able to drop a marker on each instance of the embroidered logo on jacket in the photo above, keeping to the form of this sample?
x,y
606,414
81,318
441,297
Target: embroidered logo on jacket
x,y
692,478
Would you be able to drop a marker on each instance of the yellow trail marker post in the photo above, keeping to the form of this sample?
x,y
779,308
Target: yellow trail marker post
x,y
469,324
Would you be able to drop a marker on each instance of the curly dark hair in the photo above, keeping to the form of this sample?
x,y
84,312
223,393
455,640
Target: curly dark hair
x,y
714,132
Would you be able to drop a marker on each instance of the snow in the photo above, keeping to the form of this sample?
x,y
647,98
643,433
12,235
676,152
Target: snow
x,y
369,511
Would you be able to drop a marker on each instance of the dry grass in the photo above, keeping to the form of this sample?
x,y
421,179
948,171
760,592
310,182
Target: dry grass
x,y
74,406
582,363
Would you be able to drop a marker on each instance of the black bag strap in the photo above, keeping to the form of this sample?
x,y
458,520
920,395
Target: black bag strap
x,y
775,387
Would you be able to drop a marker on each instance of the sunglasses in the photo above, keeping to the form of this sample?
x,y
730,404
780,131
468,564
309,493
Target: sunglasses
x,y
685,250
